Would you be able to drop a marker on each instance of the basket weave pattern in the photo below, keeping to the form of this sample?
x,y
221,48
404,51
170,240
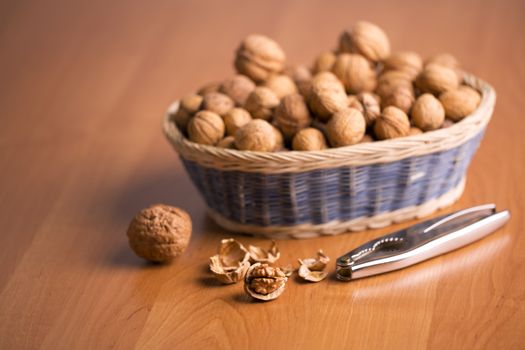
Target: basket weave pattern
x,y
305,194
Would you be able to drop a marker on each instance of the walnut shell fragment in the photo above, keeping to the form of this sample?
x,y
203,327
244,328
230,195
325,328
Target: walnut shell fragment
x,y
264,282
314,269
260,255
232,262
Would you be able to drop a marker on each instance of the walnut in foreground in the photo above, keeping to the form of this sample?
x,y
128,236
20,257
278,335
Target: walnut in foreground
x,y
264,282
160,233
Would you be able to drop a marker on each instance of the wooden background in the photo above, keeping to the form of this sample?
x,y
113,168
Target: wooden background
x,y
83,87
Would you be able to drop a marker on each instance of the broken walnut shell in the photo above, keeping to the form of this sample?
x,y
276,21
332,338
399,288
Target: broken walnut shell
x,y
231,262
260,255
264,282
314,269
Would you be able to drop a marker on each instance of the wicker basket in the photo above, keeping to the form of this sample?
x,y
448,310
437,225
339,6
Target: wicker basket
x,y
307,194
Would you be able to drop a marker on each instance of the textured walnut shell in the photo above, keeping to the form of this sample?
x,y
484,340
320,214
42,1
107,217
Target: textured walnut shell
x,y
428,113
370,104
437,79
181,117
259,57
443,59
227,142
238,88
327,95
324,62
405,61
292,115
206,128
309,139
392,123
314,269
401,97
264,282
460,103
346,127
355,72
261,103
210,87
235,119
231,262
414,131
160,233
390,80
279,139
260,255
366,39
302,77
281,85
217,102
257,135
191,103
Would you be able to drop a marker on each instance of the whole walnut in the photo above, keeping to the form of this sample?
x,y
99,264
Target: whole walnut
x,y
261,103
227,142
366,39
309,139
238,88
437,79
257,135
324,62
235,119
292,115
366,139
346,127
414,131
217,102
188,106
302,77
355,72
406,61
327,95
206,128
392,123
371,106
259,57
210,87
279,139
428,113
282,85
390,80
160,233
460,103
401,97
443,59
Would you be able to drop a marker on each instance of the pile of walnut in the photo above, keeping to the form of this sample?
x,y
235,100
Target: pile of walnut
x,y
359,92
263,279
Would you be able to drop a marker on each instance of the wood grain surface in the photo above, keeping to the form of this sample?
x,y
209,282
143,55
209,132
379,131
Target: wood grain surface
x,y
83,87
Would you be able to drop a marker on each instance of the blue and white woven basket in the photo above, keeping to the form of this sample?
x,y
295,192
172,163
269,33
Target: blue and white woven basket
x,y
308,194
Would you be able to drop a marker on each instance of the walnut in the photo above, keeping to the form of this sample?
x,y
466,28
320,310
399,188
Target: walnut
x,y
460,103
428,113
206,128
314,269
401,97
437,79
392,123
366,39
390,80
327,95
261,103
302,78
191,103
353,102
366,139
309,139
227,142
279,139
370,106
324,62
281,85
257,135
414,131
235,119
217,102
211,87
443,59
264,282
181,118
292,115
238,88
259,57
231,263
160,233
260,255
406,61
346,127
355,72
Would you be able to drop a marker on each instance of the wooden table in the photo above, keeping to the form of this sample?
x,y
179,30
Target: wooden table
x,y
83,88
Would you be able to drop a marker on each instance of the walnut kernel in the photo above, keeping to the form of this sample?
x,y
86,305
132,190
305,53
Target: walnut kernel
x,y
264,282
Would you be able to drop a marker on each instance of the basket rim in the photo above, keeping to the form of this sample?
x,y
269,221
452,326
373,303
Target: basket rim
x,y
359,154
